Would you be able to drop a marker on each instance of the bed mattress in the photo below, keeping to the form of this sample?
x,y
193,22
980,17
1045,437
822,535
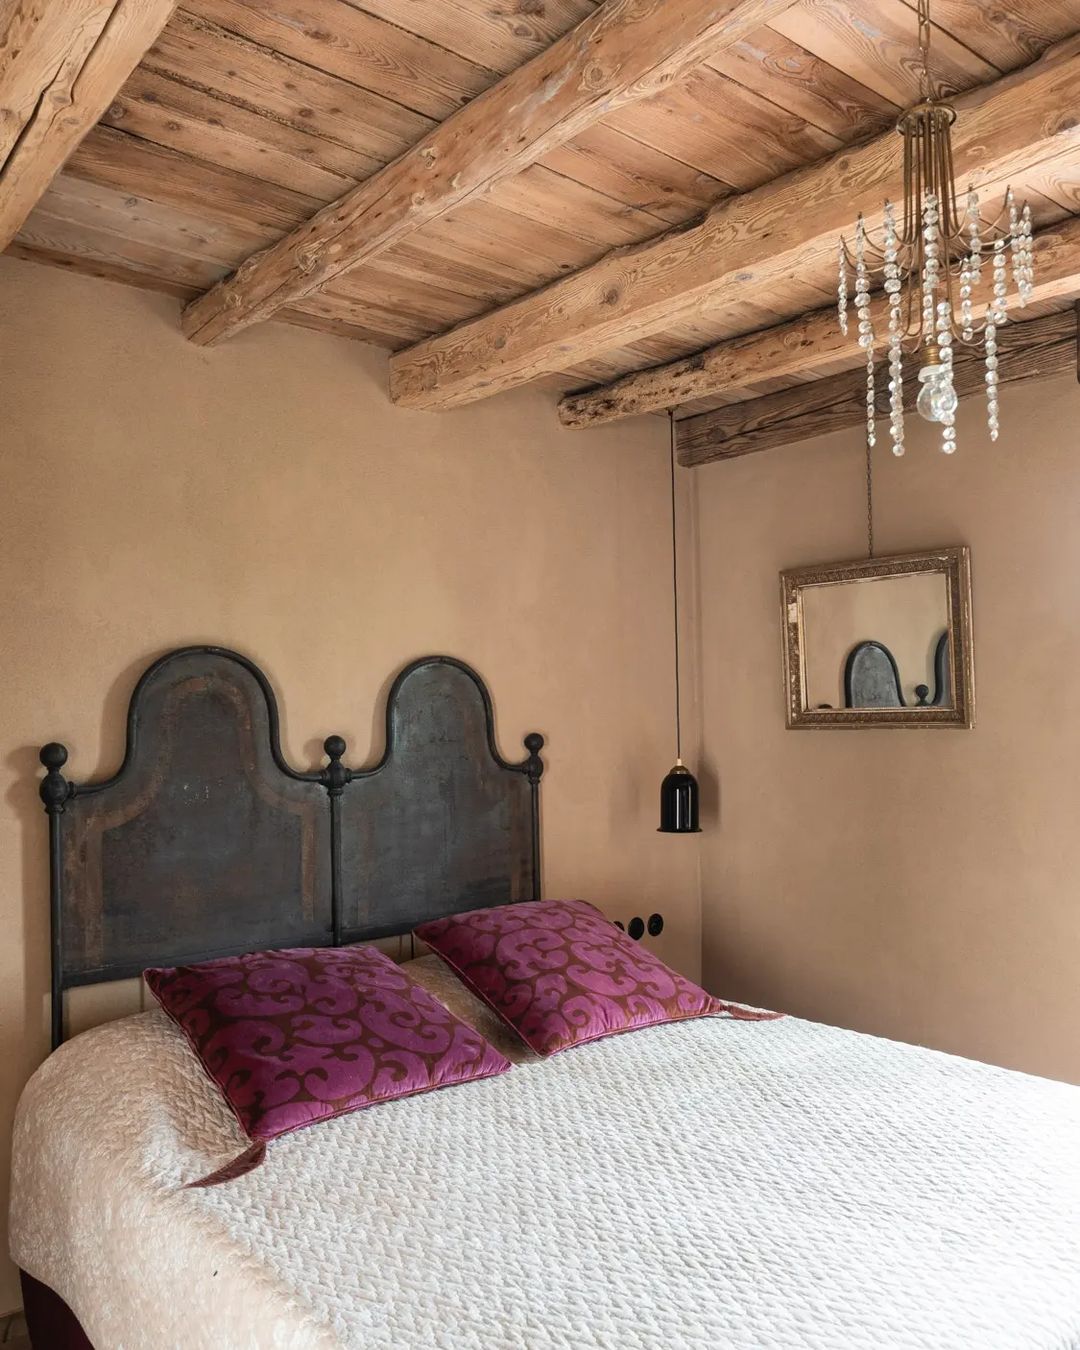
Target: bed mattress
x,y
709,1184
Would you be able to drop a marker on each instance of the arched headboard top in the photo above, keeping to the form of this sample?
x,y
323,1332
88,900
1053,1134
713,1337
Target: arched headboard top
x,y
204,843
442,823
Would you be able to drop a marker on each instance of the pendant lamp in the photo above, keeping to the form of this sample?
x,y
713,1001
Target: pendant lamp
x,y
679,790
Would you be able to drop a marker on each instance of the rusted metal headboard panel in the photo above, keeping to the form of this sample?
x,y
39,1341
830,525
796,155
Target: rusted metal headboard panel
x,y
207,843
442,823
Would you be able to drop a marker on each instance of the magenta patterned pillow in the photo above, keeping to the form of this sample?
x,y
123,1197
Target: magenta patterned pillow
x,y
561,974
294,1037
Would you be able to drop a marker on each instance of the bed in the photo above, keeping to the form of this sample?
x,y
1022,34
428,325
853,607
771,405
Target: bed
x,y
712,1183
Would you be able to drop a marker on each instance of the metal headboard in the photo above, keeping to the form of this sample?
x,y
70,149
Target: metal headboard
x,y
207,843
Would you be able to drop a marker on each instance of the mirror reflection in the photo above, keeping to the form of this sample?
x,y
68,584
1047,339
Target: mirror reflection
x,y
880,642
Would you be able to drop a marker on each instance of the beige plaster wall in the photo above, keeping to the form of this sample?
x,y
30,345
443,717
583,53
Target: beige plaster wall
x,y
917,884
269,497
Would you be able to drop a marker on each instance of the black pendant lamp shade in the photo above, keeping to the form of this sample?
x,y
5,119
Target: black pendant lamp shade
x,y
679,802
679,790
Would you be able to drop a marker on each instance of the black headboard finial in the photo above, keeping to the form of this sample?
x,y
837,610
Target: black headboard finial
x,y
54,789
335,775
534,765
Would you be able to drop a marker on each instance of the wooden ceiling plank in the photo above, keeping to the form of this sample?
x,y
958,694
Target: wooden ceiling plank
x,y
1008,36
181,118
88,266
801,83
879,47
399,327
1033,350
637,174
786,228
553,199
603,368
115,159
350,328
465,252
206,57
60,67
457,268
58,241
429,305
799,349
355,46
624,52
723,129
225,216
534,247
498,36
144,221
95,247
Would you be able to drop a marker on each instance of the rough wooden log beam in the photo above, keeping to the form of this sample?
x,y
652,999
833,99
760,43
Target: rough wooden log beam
x,y
627,50
1077,308
793,350
1028,351
62,63
784,228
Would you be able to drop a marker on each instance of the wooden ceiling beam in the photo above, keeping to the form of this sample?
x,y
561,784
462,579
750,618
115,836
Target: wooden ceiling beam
x,y
1028,351
802,349
745,243
627,50
62,63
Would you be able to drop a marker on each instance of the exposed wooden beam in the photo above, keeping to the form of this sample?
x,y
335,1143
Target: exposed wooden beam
x,y
797,350
785,228
1028,351
627,50
61,64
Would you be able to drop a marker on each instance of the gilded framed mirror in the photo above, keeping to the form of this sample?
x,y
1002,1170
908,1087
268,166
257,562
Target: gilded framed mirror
x,y
884,642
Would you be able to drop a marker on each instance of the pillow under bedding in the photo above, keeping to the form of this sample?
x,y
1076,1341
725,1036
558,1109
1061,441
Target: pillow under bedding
x,y
561,974
299,1036
442,983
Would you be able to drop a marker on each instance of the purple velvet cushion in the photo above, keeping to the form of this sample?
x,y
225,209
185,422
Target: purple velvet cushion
x,y
294,1037
561,974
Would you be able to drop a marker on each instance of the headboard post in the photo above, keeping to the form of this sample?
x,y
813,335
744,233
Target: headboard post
x,y
534,767
333,778
54,791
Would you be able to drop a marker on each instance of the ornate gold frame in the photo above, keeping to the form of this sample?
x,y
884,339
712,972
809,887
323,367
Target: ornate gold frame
x,y
955,563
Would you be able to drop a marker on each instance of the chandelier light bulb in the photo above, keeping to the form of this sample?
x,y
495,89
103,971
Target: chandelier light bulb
x,y
937,400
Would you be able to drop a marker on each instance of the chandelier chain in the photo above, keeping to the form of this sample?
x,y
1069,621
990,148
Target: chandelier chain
x,y
925,34
869,500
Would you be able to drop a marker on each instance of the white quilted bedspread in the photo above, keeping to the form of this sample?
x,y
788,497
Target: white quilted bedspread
x,y
715,1184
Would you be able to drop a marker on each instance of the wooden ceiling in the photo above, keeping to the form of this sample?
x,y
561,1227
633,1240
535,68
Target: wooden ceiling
x,y
548,249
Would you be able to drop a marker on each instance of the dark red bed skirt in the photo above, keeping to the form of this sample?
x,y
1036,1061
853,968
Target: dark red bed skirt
x,y
52,1324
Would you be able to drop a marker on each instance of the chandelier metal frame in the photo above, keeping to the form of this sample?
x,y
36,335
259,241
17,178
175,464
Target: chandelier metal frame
x,y
932,262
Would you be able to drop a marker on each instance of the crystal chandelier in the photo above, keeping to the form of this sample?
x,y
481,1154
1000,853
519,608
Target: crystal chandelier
x,y
936,264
